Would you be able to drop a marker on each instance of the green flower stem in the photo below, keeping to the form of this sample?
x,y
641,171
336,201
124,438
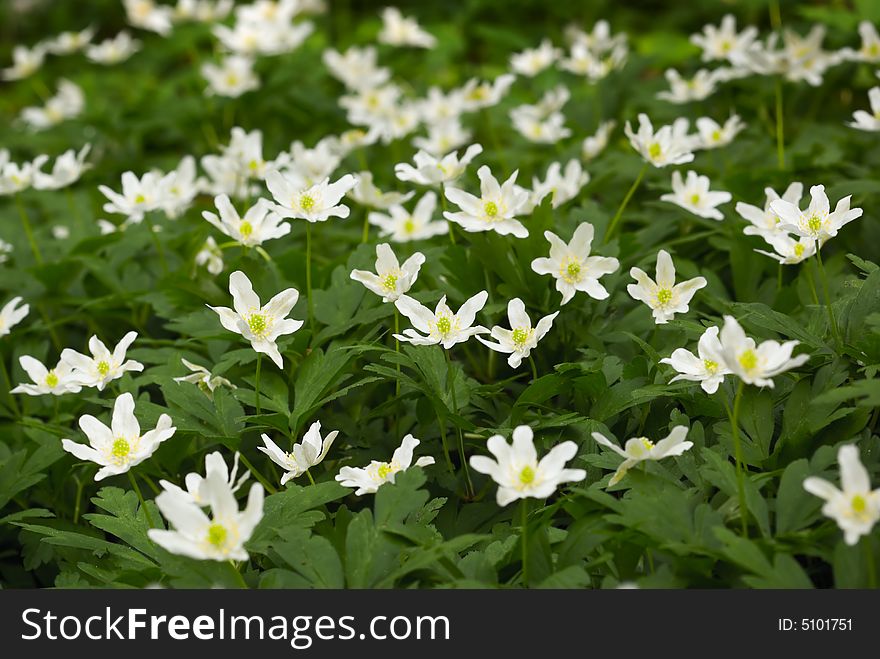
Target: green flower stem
x,y
247,463
737,450
257,381
238,577
611,227
534,368
812,284
158,243
12,402
397,350
469,486
869,561
780,126
28,230
366,234
524,541
449,464
445,206
309,474
825,290
140,497
311,302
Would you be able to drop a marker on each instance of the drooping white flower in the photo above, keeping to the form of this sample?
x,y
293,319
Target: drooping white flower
x,y
594,145
532,61
367,194
400,30
724,42
665,147
521,338
391,279
713,135
755,363
707,367
403,226
766,222
214,464
315,203
429,170
868,121
261,325
103,366
855,506
370,478
210,256
639,449
56,381
303,456
664,296
517,470
233,77
121,446
573,267
442,326
25,62
494,210
114,50
258,225
66,170
683,90
787,250
818,221
67,103
221,536
202,377
693,195
11,315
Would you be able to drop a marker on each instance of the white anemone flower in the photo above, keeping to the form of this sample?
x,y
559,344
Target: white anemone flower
x,y
315,203
664,296
258,225
665,147
788,250
639,449
693,194
765,221
56,381
303,456
442,326
755,363
115,50
214,464
494,210
210,256
517,470
714,135
233,77
430,170
402,226
202,377
121,446
593,145
868,121
706,367
521,338
367,194
391,279
12,314
66,170
818,221
532,61
724,42
370,478
103,366
400,30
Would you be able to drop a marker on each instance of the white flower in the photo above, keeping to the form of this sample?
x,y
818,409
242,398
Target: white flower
x,y
712,135
67,43
403,226
315,203
788,250
532,61
201,377
305,455
57,381
708,368
494,210
693,195
639,449
766,222
443,137
367,194
723,42
25,62
756,364
573,267
233,77
16,177
563,186
391,279
147,15
439,107
67,103
214,464
442,326
308,166
5,250
368,479
258,225
865,121
399,30
816,222
870,48
434,171
210,256
665,147
682,90
356,68
139,195
521,338
103,366
855,507
121,446
479,94
261,325
548,129
594,145
518,472
220,537
11,315
66,170
115,50
246,150
664,297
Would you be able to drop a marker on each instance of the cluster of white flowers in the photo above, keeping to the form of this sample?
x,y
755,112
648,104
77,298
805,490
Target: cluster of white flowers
x,y
66,170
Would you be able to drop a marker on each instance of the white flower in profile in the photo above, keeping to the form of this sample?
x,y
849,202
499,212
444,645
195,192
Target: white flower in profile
x,y
693,195
787,250
683,90
868,121
68,43
494,210
115,50
723,42
665,147
442,326
532,61
214,464
573,267
755,363
233,77
15,177
478,94
664,297
521,338
258,225
179,188
56,381
855,507
367,194
103,366
11,314
221,536
66,170
202,377
638,449
147,15
210,256
429,170
765,221
356,68
817,222
517,470
315,203
403,226
303,456
67,103
370,478
713,135
870,48
121,446
707,367
391,279
400,30
261,325
593,145
25,62
563,186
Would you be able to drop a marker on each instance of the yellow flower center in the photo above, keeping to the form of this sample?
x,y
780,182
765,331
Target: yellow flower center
x,y
520,336
217,535
799,249
710,366
748,360
253,165
716,136
647,443
121,448
139,199
814,223
654,150
444,324
306,202
695,199
527,476
389,282
384,470
859,504
245,229
409,225
231,80
491,209
51,380
103,368
664,296
257,323
570,270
